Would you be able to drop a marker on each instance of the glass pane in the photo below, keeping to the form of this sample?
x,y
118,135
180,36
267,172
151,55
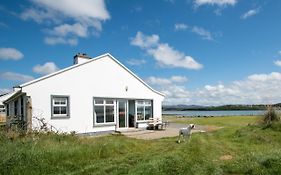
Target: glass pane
x,y
109,102
56,101
147,112
98,101
109,113
63,101
122,114
16,107
63,110
140,112
147,102
56,110
139,102
8,110
99,110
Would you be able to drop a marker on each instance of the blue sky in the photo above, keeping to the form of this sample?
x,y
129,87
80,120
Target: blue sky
x,y
208,52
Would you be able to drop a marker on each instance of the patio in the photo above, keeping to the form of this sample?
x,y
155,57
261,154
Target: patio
x,y
171,131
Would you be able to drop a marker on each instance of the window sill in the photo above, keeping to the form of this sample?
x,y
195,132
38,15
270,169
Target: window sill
x,y
60,117
104,124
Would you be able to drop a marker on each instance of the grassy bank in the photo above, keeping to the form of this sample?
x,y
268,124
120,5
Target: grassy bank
x,y
235,149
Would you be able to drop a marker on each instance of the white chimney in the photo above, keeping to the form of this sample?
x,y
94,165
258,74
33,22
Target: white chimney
x,y
81,58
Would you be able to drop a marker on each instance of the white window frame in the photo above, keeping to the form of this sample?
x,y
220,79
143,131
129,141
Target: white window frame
x,y
104,104
143,104
2,109
67,105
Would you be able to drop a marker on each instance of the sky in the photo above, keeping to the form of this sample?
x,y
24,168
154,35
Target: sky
x,y
197,52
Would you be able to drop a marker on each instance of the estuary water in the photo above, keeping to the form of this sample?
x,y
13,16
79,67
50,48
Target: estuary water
x,y
214,113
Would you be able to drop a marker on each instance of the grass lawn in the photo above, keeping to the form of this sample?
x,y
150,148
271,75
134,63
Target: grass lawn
x,y
235,149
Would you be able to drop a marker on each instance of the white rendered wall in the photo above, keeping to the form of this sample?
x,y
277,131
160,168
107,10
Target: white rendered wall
x,y
99,78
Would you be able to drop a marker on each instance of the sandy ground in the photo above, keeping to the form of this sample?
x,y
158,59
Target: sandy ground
x,y
171,131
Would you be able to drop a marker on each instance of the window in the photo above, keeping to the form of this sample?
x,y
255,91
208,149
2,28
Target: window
x,y
103,111
144,110
2,109
60,106
21,106
8,110
16,107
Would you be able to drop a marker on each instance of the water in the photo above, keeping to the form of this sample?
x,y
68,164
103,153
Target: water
x,y
214,113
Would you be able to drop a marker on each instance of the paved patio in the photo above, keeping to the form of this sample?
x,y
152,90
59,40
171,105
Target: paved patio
x,y
171,131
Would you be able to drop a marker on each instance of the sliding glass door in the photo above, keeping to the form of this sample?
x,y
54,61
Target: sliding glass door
x,y
122,114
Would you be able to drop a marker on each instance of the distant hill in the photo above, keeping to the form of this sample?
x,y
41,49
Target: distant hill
x,y
217,108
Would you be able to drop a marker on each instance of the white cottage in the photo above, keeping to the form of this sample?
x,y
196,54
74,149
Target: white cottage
x,y
93,95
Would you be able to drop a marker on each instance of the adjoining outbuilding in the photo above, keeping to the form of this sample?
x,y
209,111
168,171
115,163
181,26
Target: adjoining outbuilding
x,y
94,95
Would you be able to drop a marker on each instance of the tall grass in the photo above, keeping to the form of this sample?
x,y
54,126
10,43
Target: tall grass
x,y
252,150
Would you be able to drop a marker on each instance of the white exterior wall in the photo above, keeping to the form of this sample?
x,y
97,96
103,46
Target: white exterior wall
x,y
100,78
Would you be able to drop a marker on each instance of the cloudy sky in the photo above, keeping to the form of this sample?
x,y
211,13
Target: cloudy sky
x,y
205,52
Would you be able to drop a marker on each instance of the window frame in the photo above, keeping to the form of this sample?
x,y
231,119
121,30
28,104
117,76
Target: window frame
x,y
60,116
2,109
143,104
104,105
7,106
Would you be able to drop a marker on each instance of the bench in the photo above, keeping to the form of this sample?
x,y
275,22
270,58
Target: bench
x,y
157,124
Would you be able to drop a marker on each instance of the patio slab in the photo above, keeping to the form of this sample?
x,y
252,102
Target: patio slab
x,y
171,131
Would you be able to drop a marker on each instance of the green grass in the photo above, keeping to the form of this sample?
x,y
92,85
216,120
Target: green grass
x,y
217,121
254,150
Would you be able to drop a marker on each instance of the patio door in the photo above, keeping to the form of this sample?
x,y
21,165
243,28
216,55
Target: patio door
x,y
122,113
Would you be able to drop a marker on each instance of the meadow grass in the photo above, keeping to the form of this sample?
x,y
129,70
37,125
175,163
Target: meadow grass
x,y
237,148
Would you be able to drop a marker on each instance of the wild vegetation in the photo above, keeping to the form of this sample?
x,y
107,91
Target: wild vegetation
x,y
241,146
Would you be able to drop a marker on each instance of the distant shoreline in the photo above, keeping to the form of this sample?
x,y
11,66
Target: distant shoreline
x,y
257,107
213,113
213,109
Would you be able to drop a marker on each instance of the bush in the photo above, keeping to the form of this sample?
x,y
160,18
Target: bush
x,y
270,116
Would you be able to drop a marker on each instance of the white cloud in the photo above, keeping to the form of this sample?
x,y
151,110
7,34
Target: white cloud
x,y
75,29
255,89
168,56
179,79
265,77
145,41
166,81
158,81
60,40
172,87
277,63
250,13
15,77
279,52
205,34
136,62
215,2
84,11
68,19
47,68
10,54
39,16
180,26
202,32
164,54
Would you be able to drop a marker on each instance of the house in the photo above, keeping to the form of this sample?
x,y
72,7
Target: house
x,y
3,97
93,95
